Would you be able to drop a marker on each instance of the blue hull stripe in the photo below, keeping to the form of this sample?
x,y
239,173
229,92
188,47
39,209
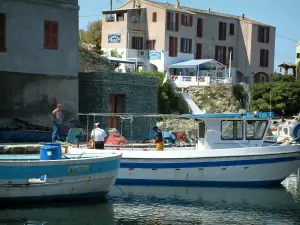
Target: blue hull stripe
x,y
55,171
198,183
55,197
207,164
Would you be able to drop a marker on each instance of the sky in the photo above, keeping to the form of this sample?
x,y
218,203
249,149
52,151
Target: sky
x,y
286,20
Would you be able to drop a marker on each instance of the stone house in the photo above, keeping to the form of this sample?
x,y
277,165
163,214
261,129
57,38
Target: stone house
x,y
38,58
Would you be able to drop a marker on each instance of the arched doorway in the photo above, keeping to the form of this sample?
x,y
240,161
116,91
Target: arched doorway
x,y
240,78
260,77
151,67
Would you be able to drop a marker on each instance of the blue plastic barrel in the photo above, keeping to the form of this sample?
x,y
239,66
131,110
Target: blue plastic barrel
x,y
55,144
50,152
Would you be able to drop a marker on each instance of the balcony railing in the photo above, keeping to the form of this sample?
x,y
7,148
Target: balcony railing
x,y
192,81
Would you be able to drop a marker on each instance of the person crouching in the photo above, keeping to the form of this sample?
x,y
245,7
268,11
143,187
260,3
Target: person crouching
x,y
158,139
98,136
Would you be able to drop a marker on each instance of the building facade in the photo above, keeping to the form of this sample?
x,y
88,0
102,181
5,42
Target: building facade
x,y
159,34
38,57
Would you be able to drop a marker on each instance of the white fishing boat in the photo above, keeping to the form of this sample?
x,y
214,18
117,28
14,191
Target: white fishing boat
x,y
51,177
285,132
229,152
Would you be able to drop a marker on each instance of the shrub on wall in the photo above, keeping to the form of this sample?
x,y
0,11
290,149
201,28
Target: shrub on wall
x,y
167,101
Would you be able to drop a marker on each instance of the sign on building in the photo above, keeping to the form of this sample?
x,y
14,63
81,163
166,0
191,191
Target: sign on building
x,y
154,55
114,38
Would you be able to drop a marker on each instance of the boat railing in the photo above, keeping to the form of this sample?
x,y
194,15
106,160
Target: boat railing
x,y
131,117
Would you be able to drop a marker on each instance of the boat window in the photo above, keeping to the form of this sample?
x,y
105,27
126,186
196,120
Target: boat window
x,y
285,130
255,129
232,130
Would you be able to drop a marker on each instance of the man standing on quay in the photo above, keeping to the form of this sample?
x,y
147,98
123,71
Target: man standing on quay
x,y
57,117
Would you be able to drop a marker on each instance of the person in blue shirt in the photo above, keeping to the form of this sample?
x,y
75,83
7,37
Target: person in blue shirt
x,y
158,139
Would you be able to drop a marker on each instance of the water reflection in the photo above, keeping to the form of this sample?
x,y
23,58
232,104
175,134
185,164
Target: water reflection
x,y
206,205
87,212
153,205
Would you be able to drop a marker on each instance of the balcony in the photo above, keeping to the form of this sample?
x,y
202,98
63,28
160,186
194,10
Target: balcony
x,y
193,81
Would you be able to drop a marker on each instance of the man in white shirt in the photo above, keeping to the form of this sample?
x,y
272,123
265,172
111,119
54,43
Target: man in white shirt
x,y
98,136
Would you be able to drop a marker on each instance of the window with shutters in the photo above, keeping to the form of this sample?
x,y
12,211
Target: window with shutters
x,y
2,32
231,29
186,45
173,46
151,44
220,54
264,58
198,51
172,21
154,17
51,35
263,34
199,27
186,20
222,31
137,43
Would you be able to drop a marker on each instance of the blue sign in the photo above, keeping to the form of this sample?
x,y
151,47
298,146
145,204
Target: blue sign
x,y
114,38
154,55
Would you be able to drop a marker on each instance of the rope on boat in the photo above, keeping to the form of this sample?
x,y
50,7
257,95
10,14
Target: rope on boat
x,y
120,189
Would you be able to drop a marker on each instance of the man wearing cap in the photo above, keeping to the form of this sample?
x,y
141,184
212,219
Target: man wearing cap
x,y
98,136
57,117
158,139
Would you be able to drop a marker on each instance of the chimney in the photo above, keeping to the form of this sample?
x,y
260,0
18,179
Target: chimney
x,y
177,4
208,10
242,16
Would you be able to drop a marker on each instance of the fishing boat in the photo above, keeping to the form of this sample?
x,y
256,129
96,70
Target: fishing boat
x,y
229,152
51,176
286,132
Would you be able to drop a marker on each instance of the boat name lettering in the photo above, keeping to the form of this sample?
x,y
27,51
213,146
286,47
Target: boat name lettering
x,y
78,169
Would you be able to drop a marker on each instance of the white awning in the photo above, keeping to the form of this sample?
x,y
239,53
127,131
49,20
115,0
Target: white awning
x,y
120,60
199,64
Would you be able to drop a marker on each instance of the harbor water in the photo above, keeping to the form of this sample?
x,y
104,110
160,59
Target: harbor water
x,y
159,205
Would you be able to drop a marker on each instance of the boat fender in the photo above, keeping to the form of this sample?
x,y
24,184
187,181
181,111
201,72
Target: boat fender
x,y
286,141
41,180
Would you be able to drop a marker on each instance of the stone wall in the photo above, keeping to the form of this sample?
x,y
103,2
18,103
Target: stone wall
x,y
34,96
140,96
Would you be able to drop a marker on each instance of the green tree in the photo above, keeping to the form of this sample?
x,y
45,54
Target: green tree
x,y
82,36
115,53
281,94
278,77
93,33
167,100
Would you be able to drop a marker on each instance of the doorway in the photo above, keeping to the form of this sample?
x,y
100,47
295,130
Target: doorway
x,y
116,105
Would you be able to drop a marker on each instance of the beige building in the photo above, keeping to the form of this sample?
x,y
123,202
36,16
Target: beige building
x,y
161,34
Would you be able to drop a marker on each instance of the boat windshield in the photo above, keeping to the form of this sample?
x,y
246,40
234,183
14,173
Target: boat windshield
x,y
232,130
255,129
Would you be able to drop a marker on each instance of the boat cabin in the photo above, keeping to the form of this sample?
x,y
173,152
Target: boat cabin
x,y
236,130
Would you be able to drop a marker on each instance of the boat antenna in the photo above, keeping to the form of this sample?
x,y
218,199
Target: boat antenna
x,y
270,101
